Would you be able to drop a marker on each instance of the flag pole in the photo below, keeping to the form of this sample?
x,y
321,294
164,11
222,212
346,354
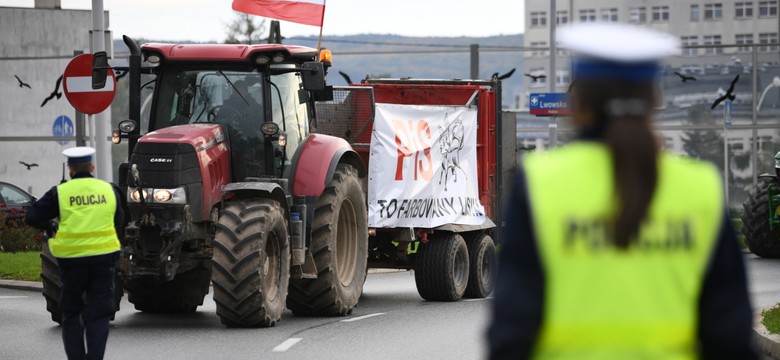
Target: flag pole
x,y
322,23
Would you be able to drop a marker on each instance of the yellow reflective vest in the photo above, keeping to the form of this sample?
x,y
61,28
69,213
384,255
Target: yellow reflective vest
x,y
605,303
87,208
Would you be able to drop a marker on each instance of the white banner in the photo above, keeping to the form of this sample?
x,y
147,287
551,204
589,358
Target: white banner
x,y
423,167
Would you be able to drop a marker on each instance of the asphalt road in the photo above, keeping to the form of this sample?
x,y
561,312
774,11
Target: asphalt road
x,y
391,322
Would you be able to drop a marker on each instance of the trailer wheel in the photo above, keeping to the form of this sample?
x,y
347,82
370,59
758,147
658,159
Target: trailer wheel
x,y
340,248
251,264
482,266
760,239
441,270
183,294
52,283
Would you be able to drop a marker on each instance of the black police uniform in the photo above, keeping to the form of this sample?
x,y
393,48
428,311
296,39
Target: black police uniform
x,y
92,276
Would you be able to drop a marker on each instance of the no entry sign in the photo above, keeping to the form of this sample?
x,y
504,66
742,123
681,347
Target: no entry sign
x,y
78,86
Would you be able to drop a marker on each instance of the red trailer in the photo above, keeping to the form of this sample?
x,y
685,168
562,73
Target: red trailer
x,y
450,260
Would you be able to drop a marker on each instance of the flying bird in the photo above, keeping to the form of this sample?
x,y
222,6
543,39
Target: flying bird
x,y
56,93
571,85
536,77
685,77
28,165
728,95
505,76
22,83
346,77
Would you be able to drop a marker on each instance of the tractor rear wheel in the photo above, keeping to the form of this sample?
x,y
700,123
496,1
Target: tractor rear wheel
x,y
441,270
760,239
52,285
340,248
251,264
183,294
483,264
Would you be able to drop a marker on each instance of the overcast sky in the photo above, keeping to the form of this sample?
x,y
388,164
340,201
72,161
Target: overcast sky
x,y
204,20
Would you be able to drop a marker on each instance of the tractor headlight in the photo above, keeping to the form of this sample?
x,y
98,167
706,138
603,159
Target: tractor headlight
x,y
170,196
134,195
158,196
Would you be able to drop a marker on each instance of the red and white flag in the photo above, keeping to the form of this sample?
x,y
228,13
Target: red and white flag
x,y
309,12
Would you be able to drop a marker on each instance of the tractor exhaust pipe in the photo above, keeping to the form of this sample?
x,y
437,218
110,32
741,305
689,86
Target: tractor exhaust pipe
x,y
135,91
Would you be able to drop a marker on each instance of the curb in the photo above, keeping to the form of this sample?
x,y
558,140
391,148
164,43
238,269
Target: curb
x,y
38,286
21,285
767,342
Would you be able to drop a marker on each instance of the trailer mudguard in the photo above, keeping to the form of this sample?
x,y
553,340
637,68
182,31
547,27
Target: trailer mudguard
x,y
315,162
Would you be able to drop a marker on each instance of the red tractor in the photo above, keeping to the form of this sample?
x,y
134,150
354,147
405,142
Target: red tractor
x,y
232,180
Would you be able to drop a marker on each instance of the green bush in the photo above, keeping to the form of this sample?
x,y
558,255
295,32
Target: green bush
x,y
15,235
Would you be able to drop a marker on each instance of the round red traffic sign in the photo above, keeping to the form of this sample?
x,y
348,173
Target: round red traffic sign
x,y
77,81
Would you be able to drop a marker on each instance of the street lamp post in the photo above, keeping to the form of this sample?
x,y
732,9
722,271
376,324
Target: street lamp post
x,y
775,83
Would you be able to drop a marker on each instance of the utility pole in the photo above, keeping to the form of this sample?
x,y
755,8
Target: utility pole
x,y
551,74
474,50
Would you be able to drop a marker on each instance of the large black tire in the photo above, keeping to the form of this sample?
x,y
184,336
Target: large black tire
x,y
483,264
183,294
251,263
760,239
441,270
340,249
52,285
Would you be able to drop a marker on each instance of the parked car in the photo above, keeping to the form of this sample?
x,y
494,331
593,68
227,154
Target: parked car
x,y
14,201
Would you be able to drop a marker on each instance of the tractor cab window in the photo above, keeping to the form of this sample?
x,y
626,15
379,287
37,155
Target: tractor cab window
x,y
229,97
287,110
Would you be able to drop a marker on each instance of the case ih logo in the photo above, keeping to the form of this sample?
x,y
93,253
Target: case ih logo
x,y
160,160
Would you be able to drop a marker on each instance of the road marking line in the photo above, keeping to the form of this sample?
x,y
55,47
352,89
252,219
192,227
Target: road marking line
x,y
487,298
362,317
287,344
12,297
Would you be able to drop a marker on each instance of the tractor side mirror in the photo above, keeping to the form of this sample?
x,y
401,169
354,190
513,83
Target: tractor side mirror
x,y
99,69
313,74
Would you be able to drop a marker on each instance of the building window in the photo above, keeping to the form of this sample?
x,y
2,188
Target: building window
x,y
689,41
660,13
695,14
736,145
767,8
561,17
562,78
743,39
712,40
713,11
609,15
538,77
540,48
588,15
637,15
743,10
538,19
767,38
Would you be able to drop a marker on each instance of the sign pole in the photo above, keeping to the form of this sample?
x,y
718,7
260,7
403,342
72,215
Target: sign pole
x,y
101,123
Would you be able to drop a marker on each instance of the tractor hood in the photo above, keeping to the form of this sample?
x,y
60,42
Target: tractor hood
x,y
200,136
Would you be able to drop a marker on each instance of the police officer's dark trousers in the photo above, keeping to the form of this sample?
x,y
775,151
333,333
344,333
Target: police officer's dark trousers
x,y
91,279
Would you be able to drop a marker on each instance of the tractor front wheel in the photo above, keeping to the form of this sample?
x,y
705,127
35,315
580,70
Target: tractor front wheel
x,y
251,264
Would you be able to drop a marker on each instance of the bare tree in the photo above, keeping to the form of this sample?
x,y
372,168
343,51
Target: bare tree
x,y
245,29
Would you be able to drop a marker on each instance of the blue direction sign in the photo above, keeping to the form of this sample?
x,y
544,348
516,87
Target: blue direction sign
x,y
549,104
62,127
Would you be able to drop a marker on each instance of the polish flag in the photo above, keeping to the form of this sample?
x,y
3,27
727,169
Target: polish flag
x,y
309,12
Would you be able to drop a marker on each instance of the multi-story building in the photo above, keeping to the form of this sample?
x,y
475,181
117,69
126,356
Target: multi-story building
x,y
721,40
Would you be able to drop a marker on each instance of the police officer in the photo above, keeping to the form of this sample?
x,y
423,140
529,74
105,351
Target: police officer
x,y
614,249
86,247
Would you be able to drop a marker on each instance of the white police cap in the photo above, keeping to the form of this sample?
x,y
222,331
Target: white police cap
x,y
79,154
617,42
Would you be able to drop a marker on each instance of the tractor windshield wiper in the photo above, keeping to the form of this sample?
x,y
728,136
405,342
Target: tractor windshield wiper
x,y
233,86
